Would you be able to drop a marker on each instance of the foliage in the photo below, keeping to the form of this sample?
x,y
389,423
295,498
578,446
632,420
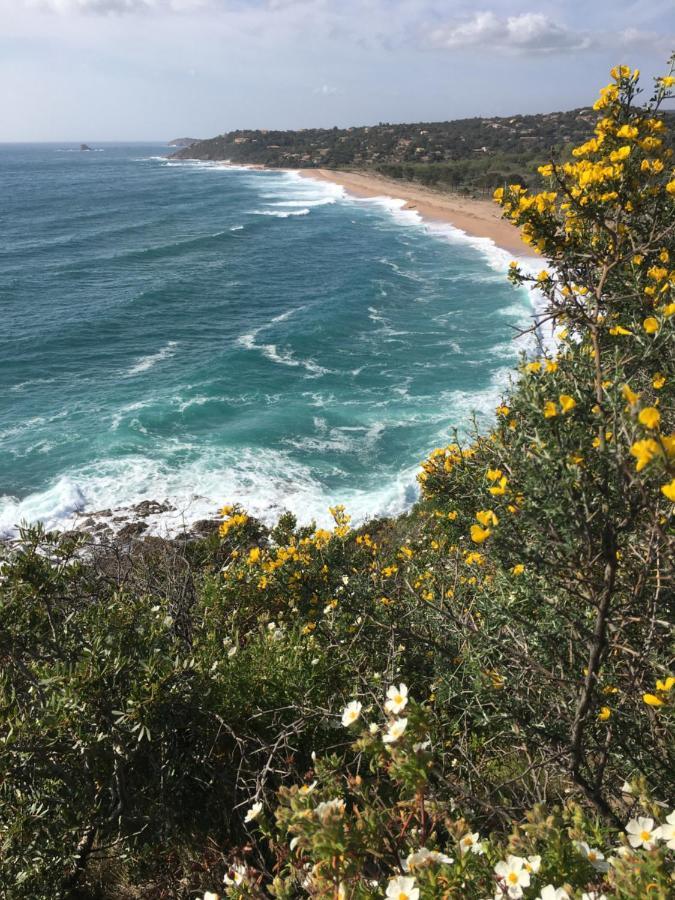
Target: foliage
x,y
161,705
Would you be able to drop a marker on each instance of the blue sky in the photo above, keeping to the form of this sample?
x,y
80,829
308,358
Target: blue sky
x,y
94,70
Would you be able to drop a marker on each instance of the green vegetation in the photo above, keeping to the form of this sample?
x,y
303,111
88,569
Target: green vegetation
x,y
473,700
468,155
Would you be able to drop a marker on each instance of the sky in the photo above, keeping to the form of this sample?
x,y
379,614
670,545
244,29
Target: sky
x,y
105,70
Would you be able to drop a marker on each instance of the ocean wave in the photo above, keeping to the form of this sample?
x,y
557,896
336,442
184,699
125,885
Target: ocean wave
x,y
147,362
31,382
279,214
265,482
273,353
324,201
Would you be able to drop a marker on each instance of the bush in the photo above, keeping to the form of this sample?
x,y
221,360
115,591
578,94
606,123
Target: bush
x,y
161,706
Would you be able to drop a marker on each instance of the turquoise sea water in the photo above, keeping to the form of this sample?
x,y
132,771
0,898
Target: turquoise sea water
x,y
189,332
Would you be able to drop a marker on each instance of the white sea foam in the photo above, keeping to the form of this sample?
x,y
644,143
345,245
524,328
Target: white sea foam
x,y
54,506
273,353
147,362
280,214
265,482
304,202
22,385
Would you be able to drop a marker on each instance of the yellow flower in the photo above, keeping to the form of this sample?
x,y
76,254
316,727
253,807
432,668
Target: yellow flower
x,y
604,713
486,517
452,515
669,310
667,81
253,555
493,474
627,131
637,259
503,410
499,489
546,170
620,154
658,381
474,557
533,367
550,410
665,686
652,700
518,569
629,395
551,366
478,534
567,403
670,187
619,329
650,325
668,490
644,452
649,417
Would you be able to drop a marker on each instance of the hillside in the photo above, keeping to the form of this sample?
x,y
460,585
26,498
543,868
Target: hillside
x,y
474,155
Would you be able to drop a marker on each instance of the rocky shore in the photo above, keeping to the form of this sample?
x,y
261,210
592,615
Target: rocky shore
x,y
147,519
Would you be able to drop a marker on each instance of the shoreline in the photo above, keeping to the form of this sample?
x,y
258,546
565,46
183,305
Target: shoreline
x,y
477,218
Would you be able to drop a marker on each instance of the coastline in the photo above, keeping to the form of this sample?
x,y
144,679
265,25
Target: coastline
x,y
478,218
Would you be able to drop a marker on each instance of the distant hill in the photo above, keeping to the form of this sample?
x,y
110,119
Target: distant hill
x,y
183,142
470,155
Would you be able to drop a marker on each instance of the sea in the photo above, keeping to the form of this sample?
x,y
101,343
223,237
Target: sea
x,y
207,334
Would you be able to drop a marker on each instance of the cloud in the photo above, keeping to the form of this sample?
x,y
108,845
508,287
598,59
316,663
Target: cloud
x,y
528,32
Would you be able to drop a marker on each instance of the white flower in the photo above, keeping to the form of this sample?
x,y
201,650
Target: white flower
x,y
626,788
209,895
254,812
423,857
533,864
232,651
666,832
471,842
294,843
395,731
373,728
553,893
594,856
514,875
640,833
351,712
402,888
236,875
330,809
397,699
421,745
593,895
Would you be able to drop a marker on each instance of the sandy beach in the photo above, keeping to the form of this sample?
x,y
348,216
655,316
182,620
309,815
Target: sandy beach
x,y
480,218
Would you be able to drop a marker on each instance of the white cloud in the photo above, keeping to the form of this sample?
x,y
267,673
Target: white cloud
x,y
528,32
